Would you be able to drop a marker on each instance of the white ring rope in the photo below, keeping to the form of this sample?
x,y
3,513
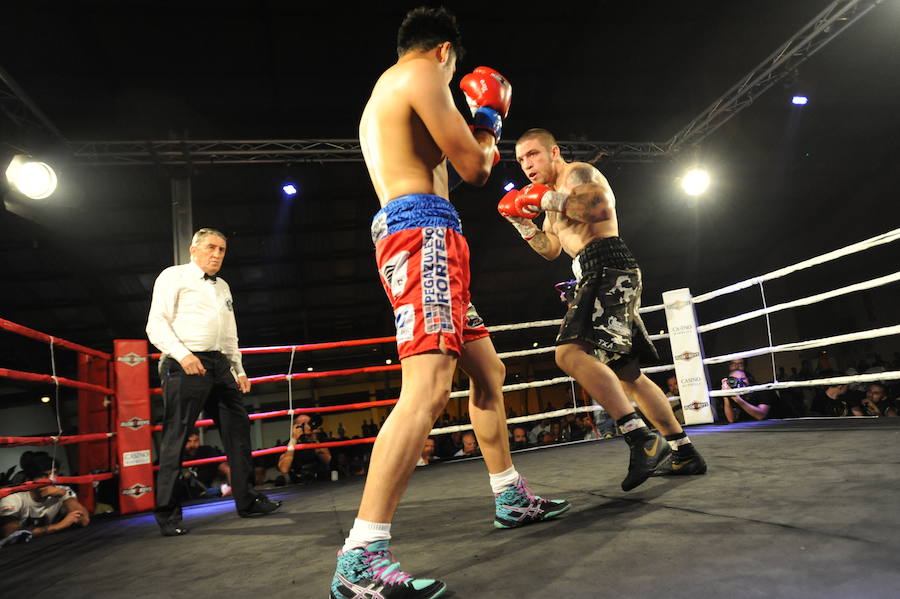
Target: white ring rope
x,y
803,345
806,301
550,323
888,237
526,352
525,325
836,380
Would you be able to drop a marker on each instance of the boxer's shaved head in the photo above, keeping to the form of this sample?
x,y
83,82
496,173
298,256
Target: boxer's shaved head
x,y
543,136
424,28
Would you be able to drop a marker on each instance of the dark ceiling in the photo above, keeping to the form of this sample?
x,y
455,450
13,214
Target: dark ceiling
x,y
790,182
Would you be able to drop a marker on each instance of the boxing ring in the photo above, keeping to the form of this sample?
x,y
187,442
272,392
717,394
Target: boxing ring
x,y
789,508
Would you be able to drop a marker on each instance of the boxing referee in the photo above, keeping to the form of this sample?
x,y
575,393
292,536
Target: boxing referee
x,y
192,323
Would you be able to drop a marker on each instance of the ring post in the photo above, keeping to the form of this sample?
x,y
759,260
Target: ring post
x,y
133,420
687,350
93,417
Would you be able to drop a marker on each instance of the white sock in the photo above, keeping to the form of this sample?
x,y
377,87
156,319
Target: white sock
x,y
364,532
504,480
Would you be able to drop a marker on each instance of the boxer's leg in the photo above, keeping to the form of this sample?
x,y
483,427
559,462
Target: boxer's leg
x,y
423,396
655,406
648,451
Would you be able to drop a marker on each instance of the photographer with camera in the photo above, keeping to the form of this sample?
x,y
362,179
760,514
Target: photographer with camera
x,y
305,465
740,407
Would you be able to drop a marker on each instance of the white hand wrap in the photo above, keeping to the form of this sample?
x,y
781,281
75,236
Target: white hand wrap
x,y
554,201
525,227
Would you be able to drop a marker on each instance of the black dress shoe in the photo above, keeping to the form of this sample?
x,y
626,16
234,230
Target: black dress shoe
x,y
170,529
261,506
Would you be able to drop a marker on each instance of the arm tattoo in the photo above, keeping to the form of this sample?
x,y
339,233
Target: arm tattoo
x,y
540,242
583,208
581,174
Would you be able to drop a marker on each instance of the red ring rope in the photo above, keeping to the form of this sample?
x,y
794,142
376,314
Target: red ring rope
x,y
277,349
46,378
272,378
278,413
279,449
26,332
64,440
60,480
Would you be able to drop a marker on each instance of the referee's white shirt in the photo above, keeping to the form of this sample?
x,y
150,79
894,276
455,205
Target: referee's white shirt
x,y
189,313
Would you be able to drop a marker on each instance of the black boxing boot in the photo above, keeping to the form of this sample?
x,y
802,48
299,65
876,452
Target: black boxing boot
x,y
649,452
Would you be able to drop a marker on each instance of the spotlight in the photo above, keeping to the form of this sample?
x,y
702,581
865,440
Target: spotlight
x,y
799,100
509,186
695,181
32,178
535,344
45,399
310,369
289,189
388,361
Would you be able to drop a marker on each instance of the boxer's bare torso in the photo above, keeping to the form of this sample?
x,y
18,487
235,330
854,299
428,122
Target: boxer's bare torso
x,y
572,234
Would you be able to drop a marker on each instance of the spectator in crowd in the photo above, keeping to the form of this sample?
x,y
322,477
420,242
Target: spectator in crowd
x,y
546,438
40,511
672,387
450,444
589,430
829,401
470,446
427,456
875,403
571,429
204,480
306,465
519,438
748,406
673,391
534,435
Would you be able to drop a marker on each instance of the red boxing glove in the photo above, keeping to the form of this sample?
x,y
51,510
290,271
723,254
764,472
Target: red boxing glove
x,y
529,200
510,211
508,206
485,87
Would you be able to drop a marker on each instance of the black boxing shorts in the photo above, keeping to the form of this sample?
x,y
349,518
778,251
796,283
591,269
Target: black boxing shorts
x,y
604,313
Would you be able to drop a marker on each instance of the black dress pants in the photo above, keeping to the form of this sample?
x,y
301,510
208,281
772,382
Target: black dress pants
x,y
185,396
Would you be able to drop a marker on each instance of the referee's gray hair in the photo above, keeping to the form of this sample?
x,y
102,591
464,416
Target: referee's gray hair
x,y
199,235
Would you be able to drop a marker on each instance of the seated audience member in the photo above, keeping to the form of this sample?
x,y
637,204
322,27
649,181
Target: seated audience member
x,y
589,430
450,444
830,400
571,429
875,403
427,456
203,480
535,434
749,406
672,387
306,465
519,438
469,446
546,438
41,511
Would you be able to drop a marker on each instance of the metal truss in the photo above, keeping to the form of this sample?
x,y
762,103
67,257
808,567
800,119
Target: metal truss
x,y
22,111
826,26
280,151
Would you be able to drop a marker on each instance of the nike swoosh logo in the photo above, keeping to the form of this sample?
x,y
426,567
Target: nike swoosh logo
x,y
682,464
655,447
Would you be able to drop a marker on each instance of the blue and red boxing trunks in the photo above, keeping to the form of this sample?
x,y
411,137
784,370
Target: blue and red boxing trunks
x,y
423,260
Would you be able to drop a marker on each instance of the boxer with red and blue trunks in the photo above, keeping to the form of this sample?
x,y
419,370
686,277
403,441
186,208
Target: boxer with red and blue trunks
x,y
423,260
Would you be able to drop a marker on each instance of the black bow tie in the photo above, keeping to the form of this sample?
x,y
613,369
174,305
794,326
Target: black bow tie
x,y
209,277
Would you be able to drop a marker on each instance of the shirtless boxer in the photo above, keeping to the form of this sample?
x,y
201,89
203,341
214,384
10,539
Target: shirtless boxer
x,y
602,338
409,129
